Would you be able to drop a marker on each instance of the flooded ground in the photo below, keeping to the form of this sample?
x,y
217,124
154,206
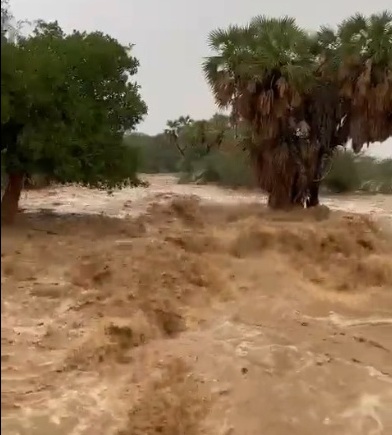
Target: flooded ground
x,y
187,310
132,201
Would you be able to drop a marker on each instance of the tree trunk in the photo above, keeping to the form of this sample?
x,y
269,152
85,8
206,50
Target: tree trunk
x,y
282,188
313,200
280,197
297,191
279,201
10,199
314,187
287,183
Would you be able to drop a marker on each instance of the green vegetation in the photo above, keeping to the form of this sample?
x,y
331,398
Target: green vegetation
x,y
155,155
227,164
359,173
296,100
66,102
69,106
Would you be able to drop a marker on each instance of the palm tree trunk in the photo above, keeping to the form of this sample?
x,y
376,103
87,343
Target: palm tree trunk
x,y
279,198
314,186
283,188
313,200
10,199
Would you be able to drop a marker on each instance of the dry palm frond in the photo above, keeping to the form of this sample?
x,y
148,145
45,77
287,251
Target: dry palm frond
x,y
365,54
277,78
269,65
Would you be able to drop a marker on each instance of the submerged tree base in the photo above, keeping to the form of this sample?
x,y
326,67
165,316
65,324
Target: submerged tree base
x,y
281,198
289,174
277,202
313,200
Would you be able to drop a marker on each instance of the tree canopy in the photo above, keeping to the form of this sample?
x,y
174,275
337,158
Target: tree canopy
x,y
67,100
303,94
269,68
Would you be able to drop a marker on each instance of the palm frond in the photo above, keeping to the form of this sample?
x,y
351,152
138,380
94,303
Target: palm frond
x,y
266,70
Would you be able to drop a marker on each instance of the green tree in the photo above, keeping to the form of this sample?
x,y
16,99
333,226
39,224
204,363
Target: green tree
x,y
156,154
196,139
67,101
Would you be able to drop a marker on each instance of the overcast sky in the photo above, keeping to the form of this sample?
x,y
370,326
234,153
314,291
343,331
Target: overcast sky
x,y
170,38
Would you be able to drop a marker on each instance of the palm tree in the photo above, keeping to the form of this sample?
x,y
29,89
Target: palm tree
x,y
302,95
365,76
353,99
262,71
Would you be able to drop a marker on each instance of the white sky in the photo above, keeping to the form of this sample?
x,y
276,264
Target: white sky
x,y
170,38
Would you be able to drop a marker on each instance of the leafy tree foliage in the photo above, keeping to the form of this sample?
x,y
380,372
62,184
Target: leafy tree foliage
x,y
156,154
195,139
67,100
209,148
227,165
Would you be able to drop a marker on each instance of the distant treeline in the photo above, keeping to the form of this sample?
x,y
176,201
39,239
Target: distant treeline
x,y
228,165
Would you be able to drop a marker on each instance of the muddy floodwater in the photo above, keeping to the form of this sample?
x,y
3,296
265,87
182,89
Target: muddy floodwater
x,y
189,310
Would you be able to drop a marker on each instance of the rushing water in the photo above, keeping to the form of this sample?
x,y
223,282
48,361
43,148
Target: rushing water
x,y
131,201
